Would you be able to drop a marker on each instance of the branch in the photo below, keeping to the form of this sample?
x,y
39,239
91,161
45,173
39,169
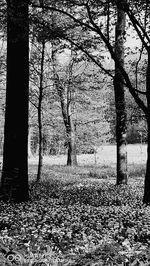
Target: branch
x,y
126,8
137,30
141,92
136,23
90,56
33,103
141,50
108,18
65,13
124,73
96,29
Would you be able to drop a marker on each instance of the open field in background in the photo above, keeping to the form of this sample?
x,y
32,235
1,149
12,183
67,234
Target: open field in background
x,y
106,154
104,169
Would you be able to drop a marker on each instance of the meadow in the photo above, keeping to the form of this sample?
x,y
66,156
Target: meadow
x,y
78,216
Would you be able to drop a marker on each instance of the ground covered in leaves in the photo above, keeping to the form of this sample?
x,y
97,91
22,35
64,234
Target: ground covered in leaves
x,y
83,220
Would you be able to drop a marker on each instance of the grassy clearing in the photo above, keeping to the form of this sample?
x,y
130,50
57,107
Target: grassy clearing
x,y
105,166
100,172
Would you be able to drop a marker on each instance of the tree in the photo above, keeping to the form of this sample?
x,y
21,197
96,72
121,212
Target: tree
x,y
37,86
87,16
88,47
40,114
2,90
14,182
121,117
65,91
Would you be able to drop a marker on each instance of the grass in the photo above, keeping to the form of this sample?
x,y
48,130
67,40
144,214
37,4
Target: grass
x,y
100,172
105,166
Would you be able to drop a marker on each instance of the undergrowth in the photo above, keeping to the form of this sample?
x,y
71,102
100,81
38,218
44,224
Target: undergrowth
x,y
76,222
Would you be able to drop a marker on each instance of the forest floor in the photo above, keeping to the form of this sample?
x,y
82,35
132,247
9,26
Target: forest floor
x,y
77,216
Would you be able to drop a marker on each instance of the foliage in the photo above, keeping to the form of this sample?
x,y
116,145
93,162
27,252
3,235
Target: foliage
x,y
136,133
80,221
89,105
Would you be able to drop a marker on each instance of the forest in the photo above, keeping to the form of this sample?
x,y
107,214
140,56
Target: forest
x,y
75,132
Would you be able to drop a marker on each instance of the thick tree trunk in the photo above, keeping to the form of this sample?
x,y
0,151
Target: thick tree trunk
x,y
121,126
146,198
40,163
14,182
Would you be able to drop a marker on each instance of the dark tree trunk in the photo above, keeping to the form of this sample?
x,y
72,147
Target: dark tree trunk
x,y
40,163
70,132
70,127
121,119
71,135
146,198
65,96
14,182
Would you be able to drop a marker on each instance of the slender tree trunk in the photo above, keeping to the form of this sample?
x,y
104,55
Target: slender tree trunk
x,y
108,19
30,155
70,131
70,127
14,182
65,100
1,132
146,198
121,119
71,135
40,163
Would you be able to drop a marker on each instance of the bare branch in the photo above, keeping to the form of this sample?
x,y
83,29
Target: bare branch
x,y
141,92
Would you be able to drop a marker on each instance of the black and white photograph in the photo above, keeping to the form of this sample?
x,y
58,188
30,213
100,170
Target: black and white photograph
x,y
74,132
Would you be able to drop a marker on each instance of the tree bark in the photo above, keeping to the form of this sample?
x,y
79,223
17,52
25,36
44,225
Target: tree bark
x,y
14,182
146,198
121,119
40,163
70,129
71,141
